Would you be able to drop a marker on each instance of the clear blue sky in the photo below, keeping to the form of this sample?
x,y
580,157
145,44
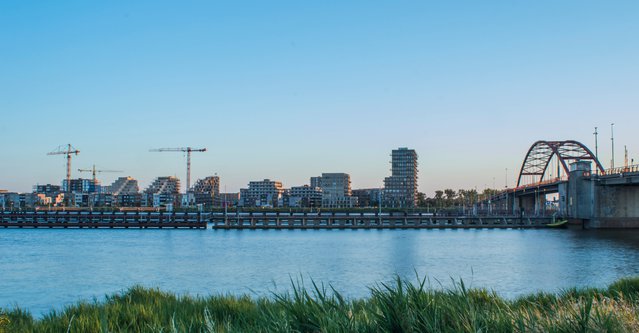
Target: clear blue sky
x,y
290,89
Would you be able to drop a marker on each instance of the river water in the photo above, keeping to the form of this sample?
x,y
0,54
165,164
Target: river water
x,y
48,269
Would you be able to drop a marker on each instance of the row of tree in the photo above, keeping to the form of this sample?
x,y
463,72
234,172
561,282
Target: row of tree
x,y
451,198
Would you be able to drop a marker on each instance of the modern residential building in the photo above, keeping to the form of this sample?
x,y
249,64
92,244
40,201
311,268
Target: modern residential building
x,y
163,191
49,195
124,192
228,199
128,199
50,199
262,193
81,199
206,191
367,197
123,185
9,200
102,200
32,200
305,196
316,181
81,185
3,201
400,189
13,200
336,190
47,189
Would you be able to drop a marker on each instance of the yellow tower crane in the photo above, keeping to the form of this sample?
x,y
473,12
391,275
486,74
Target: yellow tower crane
x,y
94,171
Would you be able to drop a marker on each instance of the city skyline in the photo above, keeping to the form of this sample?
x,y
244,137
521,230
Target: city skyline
x,y
77,175
289,90
313,165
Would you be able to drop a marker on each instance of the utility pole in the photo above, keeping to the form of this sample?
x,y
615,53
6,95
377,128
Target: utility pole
x,y
612,139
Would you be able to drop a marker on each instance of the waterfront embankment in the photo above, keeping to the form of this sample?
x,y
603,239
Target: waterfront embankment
x,y
395,307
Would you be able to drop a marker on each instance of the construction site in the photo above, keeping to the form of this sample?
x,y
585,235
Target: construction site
x,y
88,193
169,193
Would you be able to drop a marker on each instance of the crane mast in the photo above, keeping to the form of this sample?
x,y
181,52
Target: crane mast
x,y
188,151
69,151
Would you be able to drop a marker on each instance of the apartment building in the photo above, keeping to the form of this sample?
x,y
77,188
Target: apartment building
x,y
305,196
163,191
228,199
336,190
400,189
262,193
367,197
206,191
123,185
81,185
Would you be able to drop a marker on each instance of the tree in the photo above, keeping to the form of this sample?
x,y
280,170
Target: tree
x,y
439,198
450,196
421,199
462,197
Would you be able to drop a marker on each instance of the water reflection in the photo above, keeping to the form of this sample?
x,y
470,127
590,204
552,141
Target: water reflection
x,y
45,268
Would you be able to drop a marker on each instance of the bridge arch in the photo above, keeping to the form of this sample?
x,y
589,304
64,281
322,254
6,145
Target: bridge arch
x,y
541,152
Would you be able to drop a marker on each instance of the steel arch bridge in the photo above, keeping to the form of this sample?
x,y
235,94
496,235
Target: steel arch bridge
x,y
541,152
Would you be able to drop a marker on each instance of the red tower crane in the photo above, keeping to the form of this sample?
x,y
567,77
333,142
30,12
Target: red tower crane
x,y
188,151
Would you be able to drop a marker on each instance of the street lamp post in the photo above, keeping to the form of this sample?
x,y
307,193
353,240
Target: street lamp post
x,y
506,179
596,148
506,188
379,201
612,140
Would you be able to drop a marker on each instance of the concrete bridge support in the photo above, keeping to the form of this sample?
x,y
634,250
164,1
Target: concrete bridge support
x,y
533,203
580,192
617,206
602,202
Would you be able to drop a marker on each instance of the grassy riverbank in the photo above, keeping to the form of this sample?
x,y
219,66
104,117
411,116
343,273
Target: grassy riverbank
x,y
398,307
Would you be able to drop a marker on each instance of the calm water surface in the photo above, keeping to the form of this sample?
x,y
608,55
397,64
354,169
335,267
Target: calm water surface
x,y
45,269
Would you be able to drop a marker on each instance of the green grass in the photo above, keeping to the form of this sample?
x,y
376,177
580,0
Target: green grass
x,y
399,306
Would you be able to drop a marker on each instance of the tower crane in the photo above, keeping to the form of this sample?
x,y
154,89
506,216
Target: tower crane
x,y
69,151
93,171
188,151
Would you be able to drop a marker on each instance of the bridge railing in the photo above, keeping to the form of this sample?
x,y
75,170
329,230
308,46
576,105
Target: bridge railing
x,y
620,170
538,184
